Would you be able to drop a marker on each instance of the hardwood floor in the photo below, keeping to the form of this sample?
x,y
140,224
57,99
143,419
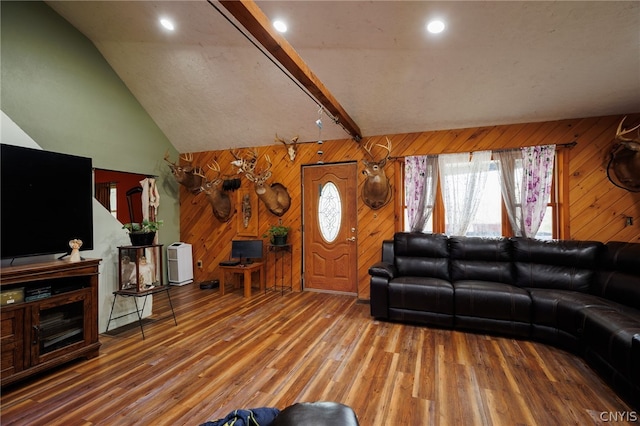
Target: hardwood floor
x,y
272,350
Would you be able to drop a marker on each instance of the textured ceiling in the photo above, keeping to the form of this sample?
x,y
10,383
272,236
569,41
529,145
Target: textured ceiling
x,y
208,87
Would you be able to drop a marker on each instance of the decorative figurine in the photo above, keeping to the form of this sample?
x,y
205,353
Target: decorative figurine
x,y
75,245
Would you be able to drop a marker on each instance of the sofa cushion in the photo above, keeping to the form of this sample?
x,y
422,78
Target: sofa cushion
x,y
609,333
421,294
492,300
562,265
482,259
421,255
619,278
492,307
561,308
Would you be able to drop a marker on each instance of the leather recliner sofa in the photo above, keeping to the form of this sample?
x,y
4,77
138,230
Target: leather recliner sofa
x,y
582,296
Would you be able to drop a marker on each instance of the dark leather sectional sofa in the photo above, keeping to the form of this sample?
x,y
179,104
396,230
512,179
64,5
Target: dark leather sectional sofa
x,y
582,296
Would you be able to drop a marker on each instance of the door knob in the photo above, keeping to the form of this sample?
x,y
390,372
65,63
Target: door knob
x,y
351,239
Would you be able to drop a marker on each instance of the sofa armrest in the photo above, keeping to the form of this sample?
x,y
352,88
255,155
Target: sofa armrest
x,y
383,270
381,273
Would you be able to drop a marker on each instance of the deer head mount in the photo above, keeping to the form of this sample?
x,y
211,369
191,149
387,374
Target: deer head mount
x,y
624,159
292,147
275,196
219,200
188,176
376,192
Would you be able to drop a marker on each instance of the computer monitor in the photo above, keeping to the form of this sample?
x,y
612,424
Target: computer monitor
x,y
246,250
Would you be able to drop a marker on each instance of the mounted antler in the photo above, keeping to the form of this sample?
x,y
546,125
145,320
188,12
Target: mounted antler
x,y
244,163
275,196
625,159
376,191
219,200
620,135
187,176
292,148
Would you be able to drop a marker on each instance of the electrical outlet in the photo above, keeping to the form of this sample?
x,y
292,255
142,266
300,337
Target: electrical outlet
x,y
199,263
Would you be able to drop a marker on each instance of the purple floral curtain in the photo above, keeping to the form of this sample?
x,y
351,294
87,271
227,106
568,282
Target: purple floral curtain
x,y
421,178
537,164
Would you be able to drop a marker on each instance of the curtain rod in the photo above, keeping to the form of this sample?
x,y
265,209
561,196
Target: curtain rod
x,y
560,145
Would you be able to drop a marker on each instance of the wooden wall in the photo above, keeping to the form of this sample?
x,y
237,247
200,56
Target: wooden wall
x,y
596,208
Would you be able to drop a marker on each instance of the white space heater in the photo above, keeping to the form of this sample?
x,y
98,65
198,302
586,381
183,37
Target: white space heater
x,y
180,263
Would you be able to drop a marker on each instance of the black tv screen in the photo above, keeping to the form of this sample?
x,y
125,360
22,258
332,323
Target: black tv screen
x,y
246,249
46,199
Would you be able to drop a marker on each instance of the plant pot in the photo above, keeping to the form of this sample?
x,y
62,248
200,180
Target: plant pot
x,y
142,238
279,240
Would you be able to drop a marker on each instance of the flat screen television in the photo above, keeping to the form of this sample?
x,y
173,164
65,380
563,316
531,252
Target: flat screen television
x,y
246,250
46,199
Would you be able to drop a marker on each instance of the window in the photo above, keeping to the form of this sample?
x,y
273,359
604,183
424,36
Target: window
x,y
488,219
113,197
329,212
491,219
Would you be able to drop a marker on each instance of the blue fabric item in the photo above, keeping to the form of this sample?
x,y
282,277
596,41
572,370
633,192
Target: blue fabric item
x,y
263,416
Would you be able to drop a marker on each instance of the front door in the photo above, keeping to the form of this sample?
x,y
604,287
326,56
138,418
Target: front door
x,y
329,225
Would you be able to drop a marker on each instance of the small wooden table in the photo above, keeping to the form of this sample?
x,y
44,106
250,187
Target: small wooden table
x,y
246,271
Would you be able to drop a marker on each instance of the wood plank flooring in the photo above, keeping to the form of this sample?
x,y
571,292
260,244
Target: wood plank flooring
x,y
273,350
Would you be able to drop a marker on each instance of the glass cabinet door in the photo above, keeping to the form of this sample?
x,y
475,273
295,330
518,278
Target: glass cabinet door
x,y
59,325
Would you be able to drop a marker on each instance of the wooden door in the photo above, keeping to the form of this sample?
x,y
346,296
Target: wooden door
x,y
329,227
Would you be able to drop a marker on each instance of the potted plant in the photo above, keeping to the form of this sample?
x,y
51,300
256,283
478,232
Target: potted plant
x,y
142,234
277,234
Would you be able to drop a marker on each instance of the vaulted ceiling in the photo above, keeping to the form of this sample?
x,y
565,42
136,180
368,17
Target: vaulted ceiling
x,y
209,87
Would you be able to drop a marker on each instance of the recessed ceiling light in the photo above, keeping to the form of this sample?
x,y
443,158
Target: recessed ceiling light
x,y
280,26
167,24
435,26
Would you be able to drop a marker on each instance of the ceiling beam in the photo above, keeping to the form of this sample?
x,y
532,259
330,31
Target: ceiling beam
x,y
251,17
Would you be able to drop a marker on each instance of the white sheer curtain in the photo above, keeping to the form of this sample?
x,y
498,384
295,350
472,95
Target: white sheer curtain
x,y
421,180
463,178
525,180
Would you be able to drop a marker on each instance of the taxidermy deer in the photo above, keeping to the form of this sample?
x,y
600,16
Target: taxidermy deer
x,y
625,159
376,191
292,147
275,196
219,200
188,176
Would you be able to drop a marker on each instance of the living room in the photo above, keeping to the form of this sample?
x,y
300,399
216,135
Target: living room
x,y
60,92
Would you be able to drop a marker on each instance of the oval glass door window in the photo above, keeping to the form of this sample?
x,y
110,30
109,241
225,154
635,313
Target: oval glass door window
x,y
329,212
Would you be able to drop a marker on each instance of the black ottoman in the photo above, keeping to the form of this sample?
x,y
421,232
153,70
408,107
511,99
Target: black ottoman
x,y
316,414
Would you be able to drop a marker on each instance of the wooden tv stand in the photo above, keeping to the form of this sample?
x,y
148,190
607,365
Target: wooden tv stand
x,y
57,320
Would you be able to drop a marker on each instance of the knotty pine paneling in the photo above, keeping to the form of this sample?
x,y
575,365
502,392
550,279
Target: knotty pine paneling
x,y
596,207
